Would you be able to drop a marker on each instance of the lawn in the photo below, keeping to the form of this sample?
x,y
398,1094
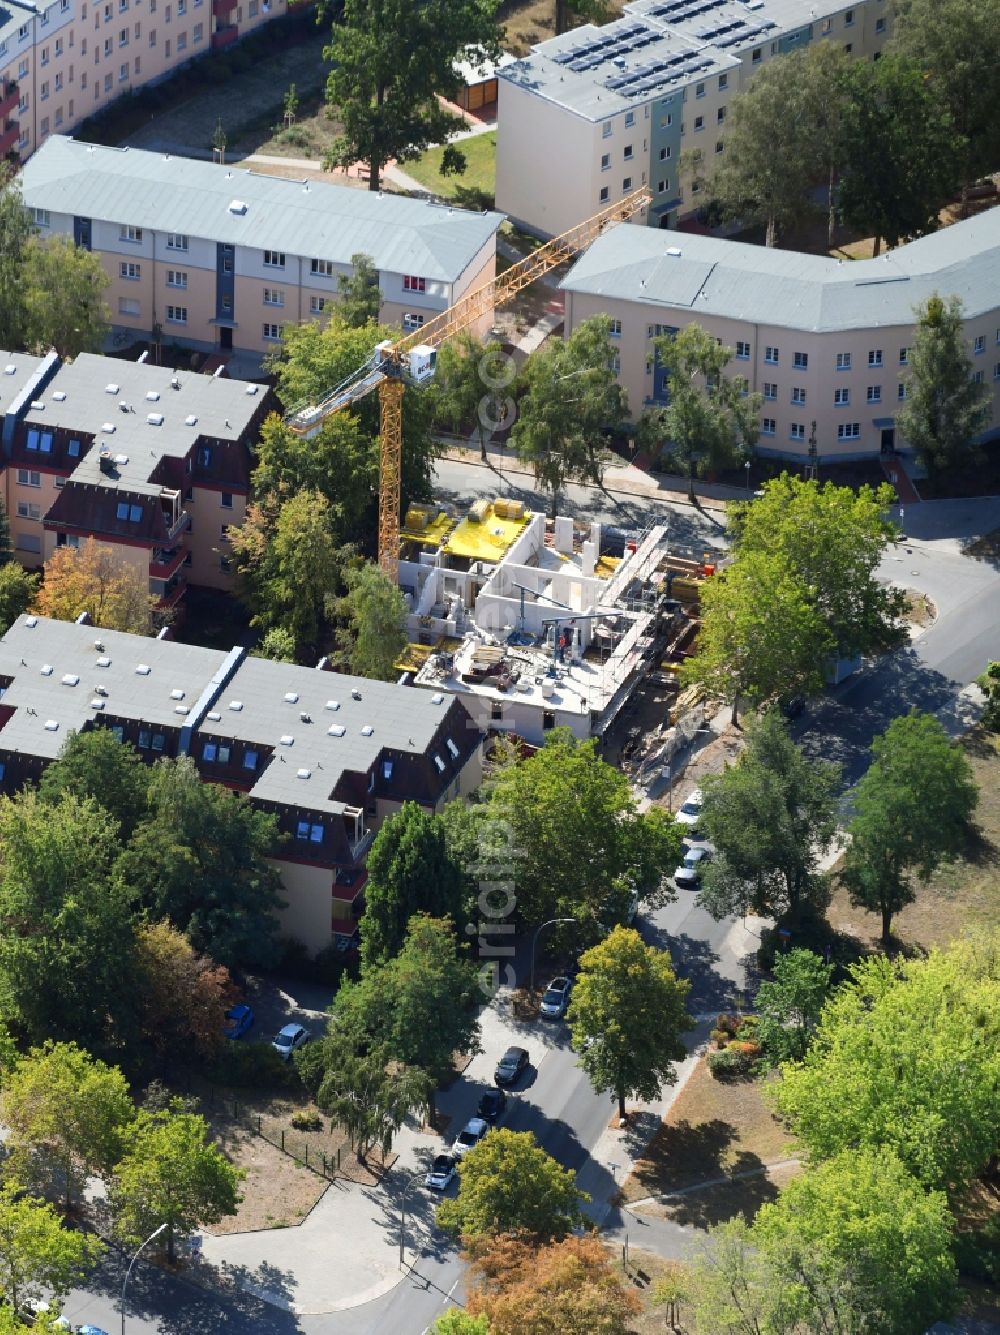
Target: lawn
x,y
474,188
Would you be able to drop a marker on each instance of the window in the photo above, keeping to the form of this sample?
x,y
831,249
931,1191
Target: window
x,y
875,357
176,241
798,395
606,130
699,123
28,510
901,391
123,72
629,119
628,152
880,25
158,741
797,431
226,500
616,328
719,146
58,83
209,751
768,426
274,259
723,82
42,217
800,360
849,431
411,320
322,267
73,449
826,26
270,332
848,18
662,187
317,305
770,390
742,350
412,283
755,56
130,234
627,183
841,398
43,93
699,90
177,278
204,456
666,121
771,356
604,194
123,37
904,356
152,42
606,162
996,372
128,306
874,393
129,513
977,377
249,759
980,344
177,314
118,732
843,361
274,296
130,270
720,115
664,153
144,739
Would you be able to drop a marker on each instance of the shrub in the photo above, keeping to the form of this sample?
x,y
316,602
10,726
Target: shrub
x,y
719,1037
727,1023
307,1121
725,1064
253,1066
977,1254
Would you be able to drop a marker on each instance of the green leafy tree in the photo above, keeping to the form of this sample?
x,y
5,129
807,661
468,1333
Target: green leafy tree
x,y
912,811
469,388
571,399
989,684
900,152
369,1093
6,546
957,44
564,799
360,297
16,229
832,540
200,859
38,1256
901,1062
66,929
627,1013
96,765
770,816
945,409
65,287
410,870
789,1006
458,1322
184,997
278,645
762,638
711,420
18,590
375,634
68,1116
508,1184
386,102
171,1174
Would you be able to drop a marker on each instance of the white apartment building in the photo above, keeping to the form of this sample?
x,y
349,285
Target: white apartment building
x,y
65,60
219,258
600,111
826,342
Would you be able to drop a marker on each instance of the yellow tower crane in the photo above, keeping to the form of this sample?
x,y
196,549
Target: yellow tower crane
x,y
412,358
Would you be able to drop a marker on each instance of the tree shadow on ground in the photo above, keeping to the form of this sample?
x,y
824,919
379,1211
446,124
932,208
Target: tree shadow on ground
x,y
695,961
683,1154
741,1195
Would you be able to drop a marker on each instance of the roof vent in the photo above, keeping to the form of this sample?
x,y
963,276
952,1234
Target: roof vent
x,y
174,382
60,396
333,704
336,730
250,389
177,694
236,705
104,662
181,709
190,420
439,762
451,747
291,697
154,419
286,739
303,773
355,693
37,405
10,369
367,730
214,715
46,670
152,396
121,458
100,690
31,622
674,252
108,428
142,670
237,206
51,725
97,704
306,718
71,679
437,698
111,389
98,644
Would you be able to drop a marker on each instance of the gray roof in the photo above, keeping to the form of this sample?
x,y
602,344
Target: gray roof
x,y
16,369
709,276
656,48
13,14
310,218
42,656
86,395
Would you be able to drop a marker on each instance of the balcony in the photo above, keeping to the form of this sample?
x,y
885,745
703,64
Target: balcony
x,y
169,593
164,561
224,37
9,94
10,132
221,9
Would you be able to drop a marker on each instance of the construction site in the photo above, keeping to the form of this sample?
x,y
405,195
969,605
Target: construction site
x,y
534,624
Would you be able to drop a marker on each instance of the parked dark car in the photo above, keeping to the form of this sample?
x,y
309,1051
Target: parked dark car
x,y
491,1105
510,1066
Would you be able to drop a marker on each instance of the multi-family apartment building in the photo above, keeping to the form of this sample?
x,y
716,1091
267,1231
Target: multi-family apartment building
x,y
825,342
331,756
598,112
221,258
154,463
67,59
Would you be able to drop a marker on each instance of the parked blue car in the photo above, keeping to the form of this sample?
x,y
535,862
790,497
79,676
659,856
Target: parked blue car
x,y
240,1019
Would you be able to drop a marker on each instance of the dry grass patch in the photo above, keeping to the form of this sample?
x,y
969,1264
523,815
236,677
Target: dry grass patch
x,y
277,1192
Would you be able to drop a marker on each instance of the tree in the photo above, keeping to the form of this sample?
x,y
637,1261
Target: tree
x,y
832,540
789,1006
469,386
16,228
171,1174
900,1062
66,933
219,141
278,645
369,1093
581,846
68,1116
945,409
387,103
456,1321
37,1254
900,152
93,578
65,287
762,638
410,871
184,997
912,811
770,816
957,44
989,684
96,765
562,427
564,1288
360,298
18,590
375,634
586,11
508,1184
6,547
711,420
626,1015
200,858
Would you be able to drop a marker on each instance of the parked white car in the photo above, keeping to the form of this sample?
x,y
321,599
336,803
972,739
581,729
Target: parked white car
x,y
690,812
688,874
470,1136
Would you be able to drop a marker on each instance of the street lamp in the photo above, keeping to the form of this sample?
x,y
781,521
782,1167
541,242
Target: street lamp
x,y
534,941
402,1218
747,467
128,1273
